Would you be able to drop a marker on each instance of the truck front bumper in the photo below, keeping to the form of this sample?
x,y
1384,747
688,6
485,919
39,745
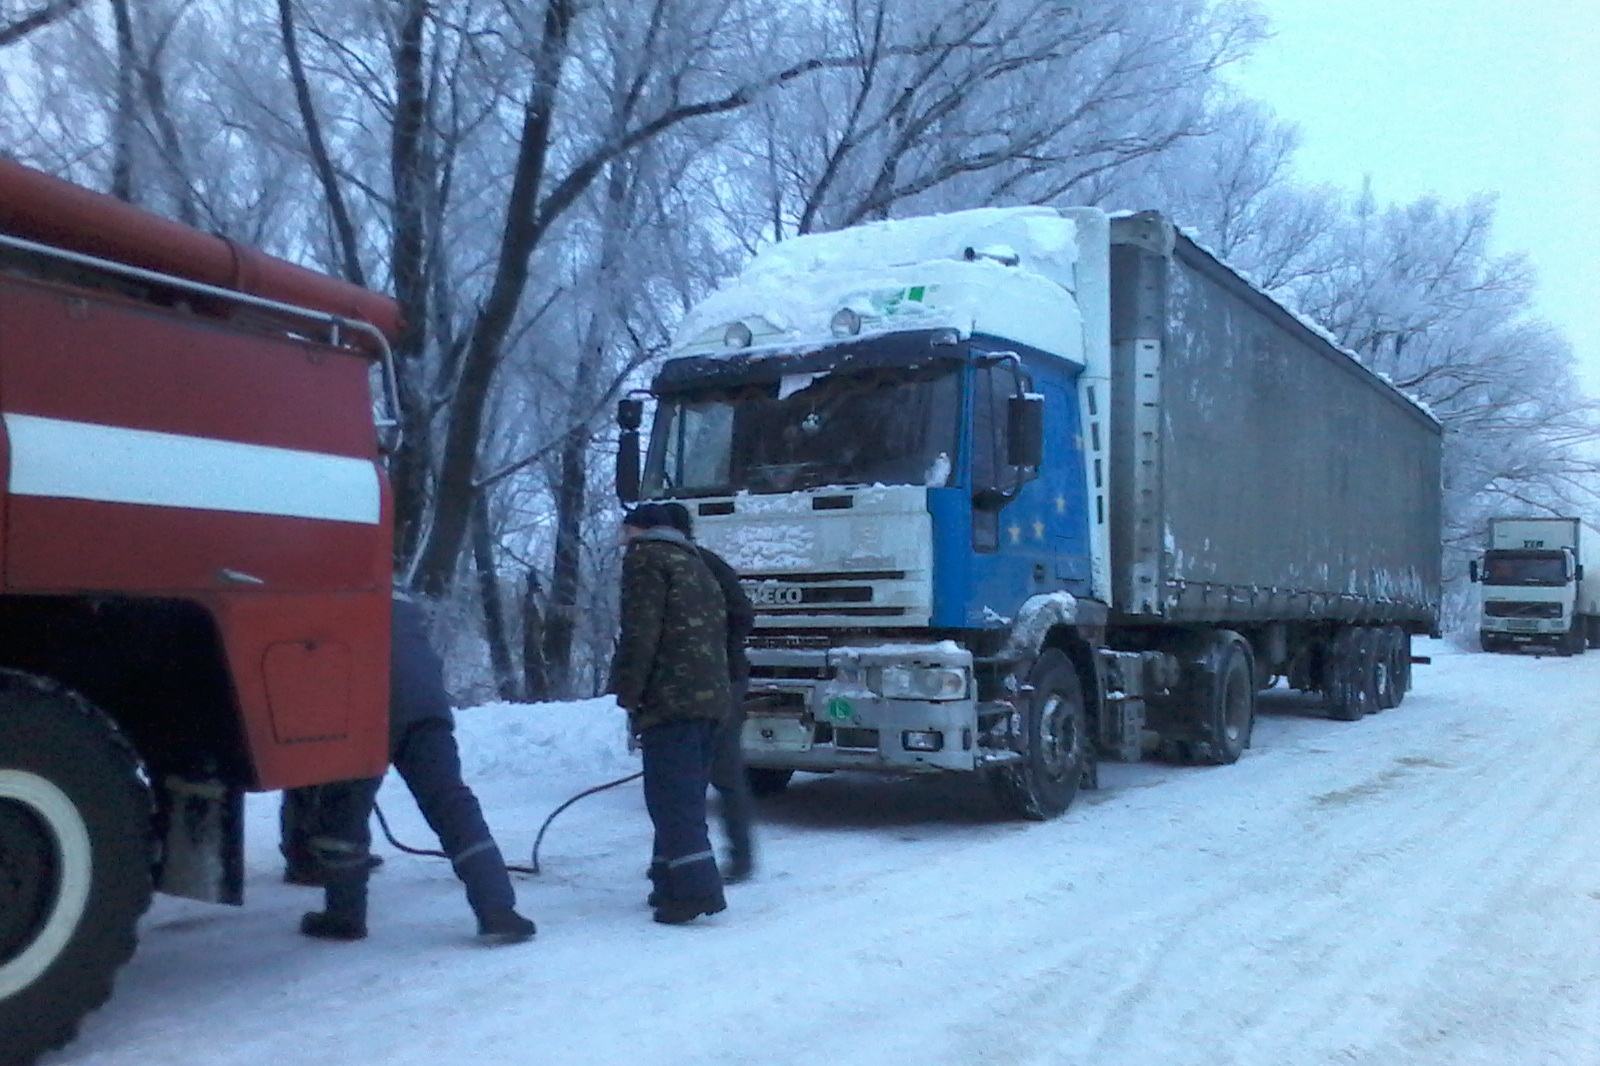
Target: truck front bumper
x,y
826,710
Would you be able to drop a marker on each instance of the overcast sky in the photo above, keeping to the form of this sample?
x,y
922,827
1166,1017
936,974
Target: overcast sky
x,y
1457,97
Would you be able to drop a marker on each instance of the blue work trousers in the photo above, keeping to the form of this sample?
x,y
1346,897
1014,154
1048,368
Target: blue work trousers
x,y
677,770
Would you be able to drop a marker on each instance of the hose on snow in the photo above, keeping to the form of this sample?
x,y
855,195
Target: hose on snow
x,y
533,867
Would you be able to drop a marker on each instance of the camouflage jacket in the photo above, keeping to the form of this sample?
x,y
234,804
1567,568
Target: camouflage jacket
x,y
671,661
741,615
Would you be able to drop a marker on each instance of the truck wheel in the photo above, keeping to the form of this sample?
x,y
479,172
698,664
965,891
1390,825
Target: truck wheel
x,y
1402,664
1388,677
1591,627
75,855
1573,640
1045,782
1217,707
1234,706
1351,675
765,782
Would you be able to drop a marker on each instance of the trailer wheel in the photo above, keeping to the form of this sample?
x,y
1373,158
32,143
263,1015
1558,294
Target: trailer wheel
x,y
1218,705
1351,675
1402,661
75,855
1234,706
1054,763
1389,674
765,782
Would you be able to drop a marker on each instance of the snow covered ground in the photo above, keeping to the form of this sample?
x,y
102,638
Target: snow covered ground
x,y
1419,887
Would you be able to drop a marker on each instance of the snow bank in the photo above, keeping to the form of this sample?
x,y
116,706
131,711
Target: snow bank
x,y
581,740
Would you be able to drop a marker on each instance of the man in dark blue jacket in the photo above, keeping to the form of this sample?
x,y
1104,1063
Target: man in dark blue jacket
x,y
422,747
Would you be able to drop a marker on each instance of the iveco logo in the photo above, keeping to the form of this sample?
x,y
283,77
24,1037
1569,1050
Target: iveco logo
x,y
765,594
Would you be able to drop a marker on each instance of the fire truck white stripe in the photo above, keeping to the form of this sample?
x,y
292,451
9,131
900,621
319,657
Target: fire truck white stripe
x,y
113,464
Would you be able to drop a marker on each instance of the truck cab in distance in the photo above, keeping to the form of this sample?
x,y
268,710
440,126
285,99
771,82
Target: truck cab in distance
x,y
1541,589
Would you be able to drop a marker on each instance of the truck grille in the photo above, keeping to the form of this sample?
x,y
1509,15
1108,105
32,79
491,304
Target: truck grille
x,y
1514,609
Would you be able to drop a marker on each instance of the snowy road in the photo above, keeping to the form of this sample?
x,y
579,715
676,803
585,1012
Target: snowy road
x,y
1419,887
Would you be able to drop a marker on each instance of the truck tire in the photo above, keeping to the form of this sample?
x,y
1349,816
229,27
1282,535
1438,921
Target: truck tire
x,y
1389,675
1591,627
765,782
1055,761
1221,704
1350,675
1573,641
1486,642
1402,664
75,851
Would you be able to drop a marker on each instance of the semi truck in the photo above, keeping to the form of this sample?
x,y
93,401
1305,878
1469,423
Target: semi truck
x,y
1016,489
1541,586
195,572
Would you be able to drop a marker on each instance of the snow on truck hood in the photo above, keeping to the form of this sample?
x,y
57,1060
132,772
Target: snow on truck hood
x,y
1008,272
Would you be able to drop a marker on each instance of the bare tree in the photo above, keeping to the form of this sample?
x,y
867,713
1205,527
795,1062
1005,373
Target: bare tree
x,y
14,27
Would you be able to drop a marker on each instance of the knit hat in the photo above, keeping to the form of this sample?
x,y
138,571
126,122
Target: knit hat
x,y
647,516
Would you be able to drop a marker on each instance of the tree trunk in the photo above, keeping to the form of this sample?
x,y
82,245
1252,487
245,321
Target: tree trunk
x,y
343,230
494,620
122,122
535,679
409,162
565,571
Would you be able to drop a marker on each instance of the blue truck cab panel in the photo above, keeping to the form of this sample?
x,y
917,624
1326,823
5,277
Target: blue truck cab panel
x,y
990,558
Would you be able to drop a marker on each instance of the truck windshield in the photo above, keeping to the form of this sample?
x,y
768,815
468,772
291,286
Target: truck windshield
x,y
1525,568
892,426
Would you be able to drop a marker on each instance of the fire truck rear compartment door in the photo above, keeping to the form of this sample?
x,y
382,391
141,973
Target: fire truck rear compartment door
x,y
308,690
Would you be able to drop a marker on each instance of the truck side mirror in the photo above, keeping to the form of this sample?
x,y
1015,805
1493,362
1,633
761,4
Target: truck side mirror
x,y
630,415
1025,431
1472,570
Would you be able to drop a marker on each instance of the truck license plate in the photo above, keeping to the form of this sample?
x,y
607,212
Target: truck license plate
x,y
1523,625
776,734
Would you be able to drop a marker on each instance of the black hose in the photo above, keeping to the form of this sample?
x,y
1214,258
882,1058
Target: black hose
x,y
586,792
388,834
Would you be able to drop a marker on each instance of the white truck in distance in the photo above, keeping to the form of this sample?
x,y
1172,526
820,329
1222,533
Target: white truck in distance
x,y
1541,588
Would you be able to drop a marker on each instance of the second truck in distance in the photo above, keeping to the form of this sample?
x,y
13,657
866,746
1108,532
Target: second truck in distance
x,y
1015,489
1541,586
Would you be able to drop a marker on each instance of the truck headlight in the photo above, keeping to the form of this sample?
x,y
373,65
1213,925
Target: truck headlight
x,y
921,682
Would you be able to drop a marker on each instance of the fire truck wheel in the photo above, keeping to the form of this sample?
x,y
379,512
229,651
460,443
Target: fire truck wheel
x,y
1053,765
74,862
765,782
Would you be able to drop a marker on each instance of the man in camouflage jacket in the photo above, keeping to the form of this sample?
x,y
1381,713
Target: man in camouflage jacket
x,y
670,673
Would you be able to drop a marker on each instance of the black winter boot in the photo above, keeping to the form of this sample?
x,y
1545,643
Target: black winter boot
x,y
326,925
680,911
344,910
506,927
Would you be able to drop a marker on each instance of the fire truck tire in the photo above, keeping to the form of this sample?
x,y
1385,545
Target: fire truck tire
x,y
1045,782
74,862
767,782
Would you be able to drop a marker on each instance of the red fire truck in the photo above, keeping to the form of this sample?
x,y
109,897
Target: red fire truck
x,y
195,536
